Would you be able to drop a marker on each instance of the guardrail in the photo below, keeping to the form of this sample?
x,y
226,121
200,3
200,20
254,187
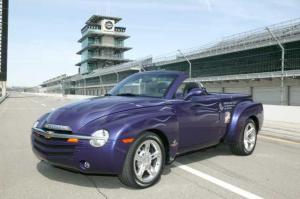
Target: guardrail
x,y
60,95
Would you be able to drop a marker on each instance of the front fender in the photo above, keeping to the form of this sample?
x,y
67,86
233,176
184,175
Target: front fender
x,y
130,124
160,119
243,111
42,120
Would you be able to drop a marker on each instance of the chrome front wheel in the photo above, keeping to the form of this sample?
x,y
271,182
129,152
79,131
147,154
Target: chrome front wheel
x,y
147,161
144,162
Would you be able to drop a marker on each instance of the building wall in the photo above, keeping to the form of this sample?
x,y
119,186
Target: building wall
x,y
265,91
108,40
93,86
95,91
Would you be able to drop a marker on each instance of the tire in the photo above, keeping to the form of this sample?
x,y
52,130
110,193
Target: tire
x,y
138,158
246,144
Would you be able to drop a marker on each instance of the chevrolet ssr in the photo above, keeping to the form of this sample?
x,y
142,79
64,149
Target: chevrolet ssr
x,y
143,123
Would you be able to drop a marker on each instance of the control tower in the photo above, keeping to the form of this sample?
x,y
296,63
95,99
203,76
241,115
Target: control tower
x,y
102,44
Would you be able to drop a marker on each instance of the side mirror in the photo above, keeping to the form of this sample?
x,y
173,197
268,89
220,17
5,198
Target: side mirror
x,y
195,92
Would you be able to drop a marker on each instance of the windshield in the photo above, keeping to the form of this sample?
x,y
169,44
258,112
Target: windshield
x,y
144,84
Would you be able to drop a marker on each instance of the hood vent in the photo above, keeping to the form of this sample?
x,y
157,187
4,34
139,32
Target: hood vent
x,y
57,127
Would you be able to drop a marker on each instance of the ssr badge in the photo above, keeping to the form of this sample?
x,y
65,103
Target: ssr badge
x,y
221,107
227,117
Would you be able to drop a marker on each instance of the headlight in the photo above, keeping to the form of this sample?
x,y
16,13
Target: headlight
x,y
100,137
35,124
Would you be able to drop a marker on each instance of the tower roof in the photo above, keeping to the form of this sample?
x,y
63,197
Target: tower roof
x,y
96,18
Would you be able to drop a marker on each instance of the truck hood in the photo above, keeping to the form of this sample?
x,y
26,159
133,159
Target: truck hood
x,y
78,114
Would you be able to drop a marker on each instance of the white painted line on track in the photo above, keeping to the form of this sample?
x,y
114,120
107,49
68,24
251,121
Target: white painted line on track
x,y
44,105
218,182
278,139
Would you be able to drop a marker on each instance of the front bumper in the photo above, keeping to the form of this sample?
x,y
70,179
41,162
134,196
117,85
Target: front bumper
x,y
55,150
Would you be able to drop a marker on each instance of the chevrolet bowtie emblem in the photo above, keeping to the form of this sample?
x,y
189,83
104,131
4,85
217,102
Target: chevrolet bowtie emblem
x,y
48,134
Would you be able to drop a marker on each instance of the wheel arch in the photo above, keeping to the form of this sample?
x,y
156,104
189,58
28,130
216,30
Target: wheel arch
x,y
164,140
256,122
242,112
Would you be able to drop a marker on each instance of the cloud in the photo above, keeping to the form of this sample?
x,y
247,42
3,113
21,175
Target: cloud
x,y
209,5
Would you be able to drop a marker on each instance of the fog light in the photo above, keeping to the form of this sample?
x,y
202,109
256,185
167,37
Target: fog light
x,y
86,165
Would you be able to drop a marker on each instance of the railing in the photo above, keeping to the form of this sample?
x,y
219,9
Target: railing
x,y
286,32
98,27
120,29
97,55
55,79
90,27
292,73
117,45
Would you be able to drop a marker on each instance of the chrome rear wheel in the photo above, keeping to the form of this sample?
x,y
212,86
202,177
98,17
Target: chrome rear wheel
x,y
245,144
249,137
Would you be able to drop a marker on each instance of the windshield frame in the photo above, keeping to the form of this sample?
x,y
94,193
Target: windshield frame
x,y
113,91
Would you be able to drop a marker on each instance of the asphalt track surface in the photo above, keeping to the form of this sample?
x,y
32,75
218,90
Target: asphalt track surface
x,y
272,171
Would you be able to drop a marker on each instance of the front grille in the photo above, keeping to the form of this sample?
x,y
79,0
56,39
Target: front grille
x,y
58,131
52,146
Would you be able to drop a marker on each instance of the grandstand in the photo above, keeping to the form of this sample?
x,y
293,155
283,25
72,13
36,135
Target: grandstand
x,y
249,52
249,62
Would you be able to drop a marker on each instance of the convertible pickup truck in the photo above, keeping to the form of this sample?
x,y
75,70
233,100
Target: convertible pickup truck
x,y
143,123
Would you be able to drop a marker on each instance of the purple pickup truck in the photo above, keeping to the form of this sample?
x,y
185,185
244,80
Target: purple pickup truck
x,y
142,124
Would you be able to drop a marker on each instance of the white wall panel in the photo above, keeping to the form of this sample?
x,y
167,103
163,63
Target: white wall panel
x,y
295,95
244,90
214,90
267,95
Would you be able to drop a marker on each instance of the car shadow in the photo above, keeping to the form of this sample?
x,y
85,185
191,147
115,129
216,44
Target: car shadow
x,y
70,177
112,181
204,154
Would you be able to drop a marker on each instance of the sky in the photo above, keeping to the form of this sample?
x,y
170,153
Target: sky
x,y
43,34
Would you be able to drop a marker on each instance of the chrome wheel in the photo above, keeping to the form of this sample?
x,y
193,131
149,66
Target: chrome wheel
x,y
249,137
147,161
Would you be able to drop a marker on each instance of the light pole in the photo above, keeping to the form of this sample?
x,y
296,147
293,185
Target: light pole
x,y
117,76
282,64
84,85
190,64
62,87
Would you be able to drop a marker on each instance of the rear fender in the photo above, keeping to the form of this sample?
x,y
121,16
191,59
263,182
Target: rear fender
x,y
243,111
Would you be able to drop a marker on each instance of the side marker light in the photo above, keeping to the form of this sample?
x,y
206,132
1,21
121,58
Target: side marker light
x,y
127,140
72,140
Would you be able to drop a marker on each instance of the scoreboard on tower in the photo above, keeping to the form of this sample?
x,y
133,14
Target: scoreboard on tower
x,y
3,39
